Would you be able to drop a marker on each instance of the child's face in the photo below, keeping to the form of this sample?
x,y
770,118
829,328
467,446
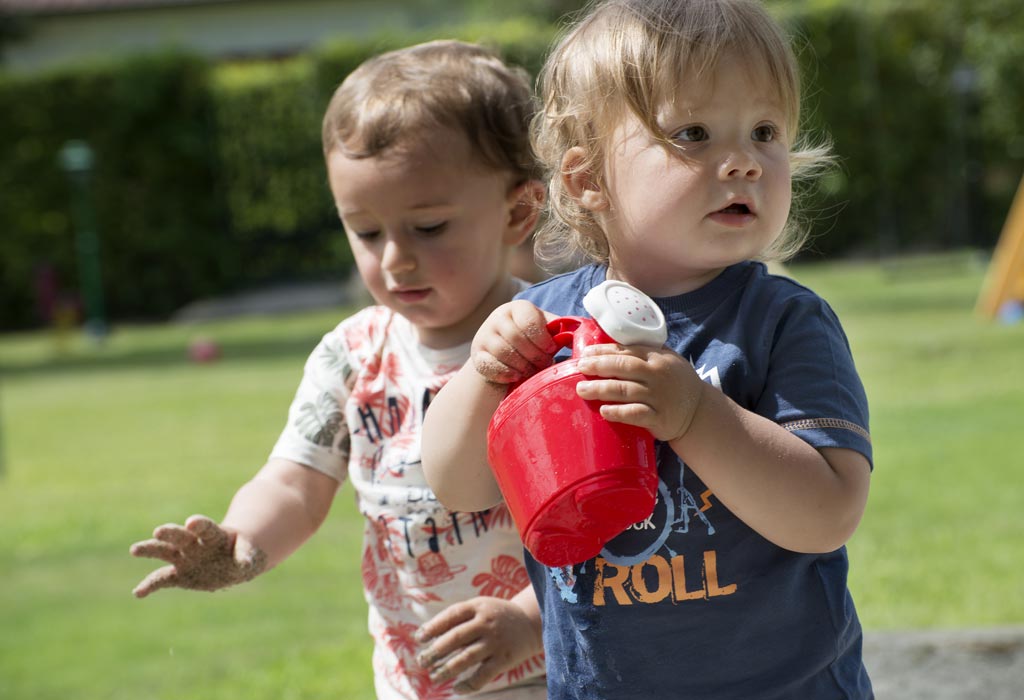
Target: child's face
x,y
430,231
675,219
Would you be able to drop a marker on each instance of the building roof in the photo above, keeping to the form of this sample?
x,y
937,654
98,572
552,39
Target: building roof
x,y
66,7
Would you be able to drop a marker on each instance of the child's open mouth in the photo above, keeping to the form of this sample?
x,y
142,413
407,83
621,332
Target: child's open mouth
x,y
736,215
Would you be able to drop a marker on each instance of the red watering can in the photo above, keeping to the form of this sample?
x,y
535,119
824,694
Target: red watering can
x,y
573,480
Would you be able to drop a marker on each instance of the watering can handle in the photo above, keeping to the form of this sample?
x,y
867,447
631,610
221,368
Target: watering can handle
x,y
563,330
577,332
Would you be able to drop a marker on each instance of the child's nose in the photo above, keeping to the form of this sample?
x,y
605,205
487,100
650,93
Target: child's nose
x,y
397,257
739,163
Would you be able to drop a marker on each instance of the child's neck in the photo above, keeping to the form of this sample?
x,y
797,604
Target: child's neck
x,y
681,282
463,330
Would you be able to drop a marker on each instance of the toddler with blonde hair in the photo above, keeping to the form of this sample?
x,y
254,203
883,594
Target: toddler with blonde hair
x,y
670,131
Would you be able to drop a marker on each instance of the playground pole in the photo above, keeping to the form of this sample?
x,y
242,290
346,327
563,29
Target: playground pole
x,y
76,158
3,447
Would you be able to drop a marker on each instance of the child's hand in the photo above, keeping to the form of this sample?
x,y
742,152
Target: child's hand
x,y
653,388
495,633
513,343
201,556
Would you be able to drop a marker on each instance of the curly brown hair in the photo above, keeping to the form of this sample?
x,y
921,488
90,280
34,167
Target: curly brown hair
x,y
393,98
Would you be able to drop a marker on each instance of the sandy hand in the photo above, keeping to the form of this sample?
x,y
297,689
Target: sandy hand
x,y
491,634
513,343
201,556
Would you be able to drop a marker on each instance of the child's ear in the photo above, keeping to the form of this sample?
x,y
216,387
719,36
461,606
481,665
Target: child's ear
x,y
526,201
579,180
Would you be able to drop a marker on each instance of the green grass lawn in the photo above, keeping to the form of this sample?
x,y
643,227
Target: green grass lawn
x,y
101,444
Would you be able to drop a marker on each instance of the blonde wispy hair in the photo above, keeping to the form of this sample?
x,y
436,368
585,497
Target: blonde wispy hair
x,y
629,56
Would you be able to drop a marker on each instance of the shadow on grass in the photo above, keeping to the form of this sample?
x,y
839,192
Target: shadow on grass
x,y
171,354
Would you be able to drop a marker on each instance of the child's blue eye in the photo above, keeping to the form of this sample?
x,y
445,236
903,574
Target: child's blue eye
x,y
764,133
692,133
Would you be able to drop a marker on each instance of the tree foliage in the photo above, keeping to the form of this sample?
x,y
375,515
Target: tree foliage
x,y
209,178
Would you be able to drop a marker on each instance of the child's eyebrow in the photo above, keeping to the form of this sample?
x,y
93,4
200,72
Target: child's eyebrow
x,y
687,107
347,212
440,207
443,207
432,203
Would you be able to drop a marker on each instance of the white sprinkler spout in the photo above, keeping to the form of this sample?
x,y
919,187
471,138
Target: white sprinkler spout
x,y
626,314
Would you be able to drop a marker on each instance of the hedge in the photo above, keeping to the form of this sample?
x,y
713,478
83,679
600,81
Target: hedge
x,y
209,179
924,101
267,121
157,207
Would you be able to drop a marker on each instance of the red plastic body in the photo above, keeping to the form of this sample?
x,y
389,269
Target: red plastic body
x,y
572,480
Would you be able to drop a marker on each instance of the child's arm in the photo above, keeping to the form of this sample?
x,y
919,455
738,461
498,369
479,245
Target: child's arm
x,y
268,519
495,633
454,447
798,497
512,344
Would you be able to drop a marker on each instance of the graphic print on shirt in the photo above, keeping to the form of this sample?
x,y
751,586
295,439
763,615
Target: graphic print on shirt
x,y
323,422
640,566
385,418
357,416
320,422
398,543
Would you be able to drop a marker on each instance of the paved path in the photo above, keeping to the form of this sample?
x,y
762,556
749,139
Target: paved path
x,y
273,300
985,664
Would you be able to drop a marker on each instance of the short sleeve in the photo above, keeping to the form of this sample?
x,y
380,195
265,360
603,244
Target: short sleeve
x,y
812,388
316,433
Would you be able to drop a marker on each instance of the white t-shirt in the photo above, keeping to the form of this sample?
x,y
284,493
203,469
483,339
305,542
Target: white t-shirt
x,y
358,412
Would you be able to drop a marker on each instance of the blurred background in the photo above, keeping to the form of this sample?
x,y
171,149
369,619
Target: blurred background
x,y
160,151
170,254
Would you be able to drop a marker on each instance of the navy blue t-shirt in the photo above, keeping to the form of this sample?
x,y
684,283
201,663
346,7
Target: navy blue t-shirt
x,y
692,603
